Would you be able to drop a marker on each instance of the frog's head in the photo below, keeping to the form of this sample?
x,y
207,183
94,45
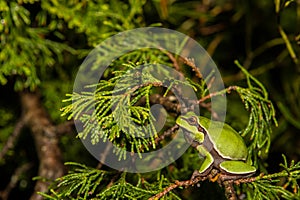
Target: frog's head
x,y
191,123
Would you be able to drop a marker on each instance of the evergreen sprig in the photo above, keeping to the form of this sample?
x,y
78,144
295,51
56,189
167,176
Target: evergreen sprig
x,y
25,52
281,185
31,42
80,183
261,117
107,17
89,183
112,112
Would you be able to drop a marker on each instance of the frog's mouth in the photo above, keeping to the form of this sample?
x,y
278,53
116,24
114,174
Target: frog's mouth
x,y
201,129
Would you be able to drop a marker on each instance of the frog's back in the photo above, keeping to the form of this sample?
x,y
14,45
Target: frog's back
x,y
227,142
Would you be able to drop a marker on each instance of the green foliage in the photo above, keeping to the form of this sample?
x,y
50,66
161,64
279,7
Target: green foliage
x,y
115,114
25,50
96,19
262,114
30,42
281,185
89,183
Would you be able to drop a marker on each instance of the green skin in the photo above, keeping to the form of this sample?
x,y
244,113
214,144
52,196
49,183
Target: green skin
x,y
222,147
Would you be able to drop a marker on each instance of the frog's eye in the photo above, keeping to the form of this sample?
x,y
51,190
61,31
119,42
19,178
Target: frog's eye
x,y
192,120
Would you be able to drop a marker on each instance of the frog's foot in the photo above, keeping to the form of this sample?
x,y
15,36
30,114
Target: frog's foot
x,y
196,174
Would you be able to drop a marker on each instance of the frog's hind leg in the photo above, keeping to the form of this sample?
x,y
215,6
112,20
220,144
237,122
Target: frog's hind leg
x,y
236,169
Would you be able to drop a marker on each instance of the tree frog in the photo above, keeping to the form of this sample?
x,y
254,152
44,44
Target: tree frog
x,y
222,147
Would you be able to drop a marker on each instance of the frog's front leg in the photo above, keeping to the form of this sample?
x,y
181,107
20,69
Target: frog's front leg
x,y
208,160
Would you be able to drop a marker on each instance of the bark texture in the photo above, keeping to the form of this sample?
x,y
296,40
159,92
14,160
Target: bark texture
x,y
46,139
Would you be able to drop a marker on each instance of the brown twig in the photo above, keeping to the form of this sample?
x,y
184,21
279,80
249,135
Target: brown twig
x,y
12,138
167,102
213,176
209,96
191,62
171,57
167,133
178,184
155,84
14,180
202,103
246,180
